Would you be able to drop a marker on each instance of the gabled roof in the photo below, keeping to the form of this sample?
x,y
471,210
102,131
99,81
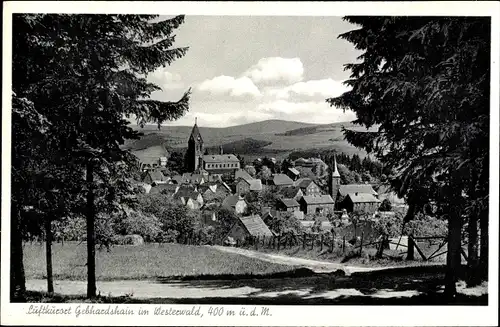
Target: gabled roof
x,y
289,203
322,199
195,133
156,175
177,179
356,188
255,185
303,182
241,173
281,179
196,178
216,158
255,226
362,198
294,171
231,200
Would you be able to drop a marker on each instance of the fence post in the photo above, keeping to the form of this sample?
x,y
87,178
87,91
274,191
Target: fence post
x,y
321,244
279,241
343,244
361,245
312,241
303,241
257,242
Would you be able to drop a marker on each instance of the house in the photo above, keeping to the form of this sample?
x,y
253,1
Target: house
x,y
236,203
308,186
289,205
155,177
241,173
356,188
169,189
280,180
267,211
192,178
293,173
293,192
250,226
220,163
363,202
246,185
316,204
189,198
213,190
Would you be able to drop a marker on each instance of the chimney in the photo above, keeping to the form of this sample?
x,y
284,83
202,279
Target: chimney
x,y
221,151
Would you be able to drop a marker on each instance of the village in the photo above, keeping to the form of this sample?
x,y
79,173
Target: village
x,y
218,180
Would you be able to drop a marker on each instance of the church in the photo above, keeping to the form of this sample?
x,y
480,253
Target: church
x,y
198,161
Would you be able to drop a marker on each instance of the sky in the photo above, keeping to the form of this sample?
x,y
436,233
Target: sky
x,y
244,69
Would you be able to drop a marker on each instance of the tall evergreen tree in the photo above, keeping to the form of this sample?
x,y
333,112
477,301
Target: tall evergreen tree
x,y
425,82
84,75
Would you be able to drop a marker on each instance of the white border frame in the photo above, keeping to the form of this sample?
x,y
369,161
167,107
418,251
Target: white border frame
x,y
281,315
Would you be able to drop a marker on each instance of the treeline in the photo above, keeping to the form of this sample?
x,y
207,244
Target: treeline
x,y
361,169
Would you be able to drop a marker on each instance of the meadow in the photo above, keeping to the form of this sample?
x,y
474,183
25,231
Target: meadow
x,y
148,261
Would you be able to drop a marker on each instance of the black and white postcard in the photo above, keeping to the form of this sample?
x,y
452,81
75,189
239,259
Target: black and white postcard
x,y
250,164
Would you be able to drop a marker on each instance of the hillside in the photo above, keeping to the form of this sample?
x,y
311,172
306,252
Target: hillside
x,y
271,137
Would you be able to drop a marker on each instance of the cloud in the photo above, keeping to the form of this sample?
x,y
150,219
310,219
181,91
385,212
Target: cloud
x,y
275,69
228,85
318,112
324,88
167,80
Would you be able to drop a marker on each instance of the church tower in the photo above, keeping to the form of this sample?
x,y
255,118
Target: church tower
x,y
334,180
194,155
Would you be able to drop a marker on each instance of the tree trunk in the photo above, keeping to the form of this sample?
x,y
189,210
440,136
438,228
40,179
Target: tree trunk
x,y
472,249
453,257
17,277
91,282
411,248
48,255
483,250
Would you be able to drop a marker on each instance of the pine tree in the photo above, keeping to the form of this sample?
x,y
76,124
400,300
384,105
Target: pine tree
x,y
425,82
85,74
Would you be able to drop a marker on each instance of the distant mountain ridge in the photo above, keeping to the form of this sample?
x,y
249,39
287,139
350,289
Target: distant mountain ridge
x,y
258,138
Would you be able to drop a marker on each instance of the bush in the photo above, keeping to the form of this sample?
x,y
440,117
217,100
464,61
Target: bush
x,y
147,226
128,240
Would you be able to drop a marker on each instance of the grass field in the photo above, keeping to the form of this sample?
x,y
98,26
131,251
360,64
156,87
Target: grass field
x,y
142,262
366,259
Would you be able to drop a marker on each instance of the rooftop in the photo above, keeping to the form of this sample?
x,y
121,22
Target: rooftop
x,y
356,188
362,198
215,158
290,203
281,179
322,199
255,226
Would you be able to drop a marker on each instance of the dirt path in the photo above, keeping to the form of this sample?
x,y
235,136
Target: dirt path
x,y
314,265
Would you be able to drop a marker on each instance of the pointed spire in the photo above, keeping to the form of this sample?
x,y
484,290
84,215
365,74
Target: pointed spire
x,y
195,120
335,171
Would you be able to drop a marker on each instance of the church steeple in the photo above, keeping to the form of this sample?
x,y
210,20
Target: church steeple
x,y
334,180
195,149
335,171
